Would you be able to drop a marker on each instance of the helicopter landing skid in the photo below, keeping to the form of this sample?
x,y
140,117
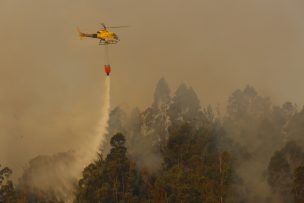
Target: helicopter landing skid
x,y
102,42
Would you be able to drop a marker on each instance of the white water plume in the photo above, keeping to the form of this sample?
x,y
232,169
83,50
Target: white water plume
x,y
90,150
88,153
92,147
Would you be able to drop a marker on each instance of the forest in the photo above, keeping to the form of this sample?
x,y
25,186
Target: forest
x,y
179,150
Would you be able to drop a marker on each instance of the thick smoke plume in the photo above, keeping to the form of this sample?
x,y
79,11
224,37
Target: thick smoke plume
x,y
55,176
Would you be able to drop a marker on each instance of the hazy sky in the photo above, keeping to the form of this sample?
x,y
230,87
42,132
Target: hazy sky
x,y
215,46
50,81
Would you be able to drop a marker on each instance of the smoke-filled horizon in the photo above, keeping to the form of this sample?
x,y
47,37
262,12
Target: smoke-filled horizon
x,y
214,46
50,80
57,174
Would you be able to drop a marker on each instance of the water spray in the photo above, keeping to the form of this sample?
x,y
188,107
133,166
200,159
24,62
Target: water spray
x,y
89,151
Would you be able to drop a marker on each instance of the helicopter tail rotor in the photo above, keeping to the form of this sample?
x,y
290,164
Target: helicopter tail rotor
x,y
81,35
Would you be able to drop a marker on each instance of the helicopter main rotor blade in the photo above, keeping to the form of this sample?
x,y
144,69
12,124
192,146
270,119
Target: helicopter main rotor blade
x,y
123,26
103,25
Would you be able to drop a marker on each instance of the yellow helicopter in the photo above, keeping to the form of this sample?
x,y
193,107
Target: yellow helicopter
x,y
104,35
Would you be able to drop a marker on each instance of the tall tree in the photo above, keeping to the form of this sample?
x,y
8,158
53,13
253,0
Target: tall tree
x,y
194,169
117,123
7,190
280,170
185,106
113,180
295,127
298,185
246,112
256,128
161,94
155,119
280,177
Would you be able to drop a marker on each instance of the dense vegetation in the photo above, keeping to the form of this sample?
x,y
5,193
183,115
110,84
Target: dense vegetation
x,y
177,151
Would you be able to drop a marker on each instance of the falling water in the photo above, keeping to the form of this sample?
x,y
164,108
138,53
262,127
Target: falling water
x,y
95,142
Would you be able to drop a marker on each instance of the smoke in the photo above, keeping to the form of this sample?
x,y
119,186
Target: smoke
x,y
55,176
215,46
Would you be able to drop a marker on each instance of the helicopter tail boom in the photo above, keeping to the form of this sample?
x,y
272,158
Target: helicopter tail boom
x,y
82,35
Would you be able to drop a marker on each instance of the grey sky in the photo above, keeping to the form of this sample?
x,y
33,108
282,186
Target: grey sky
x,y
50,81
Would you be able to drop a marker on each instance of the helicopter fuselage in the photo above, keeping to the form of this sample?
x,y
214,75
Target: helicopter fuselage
x,y
105,36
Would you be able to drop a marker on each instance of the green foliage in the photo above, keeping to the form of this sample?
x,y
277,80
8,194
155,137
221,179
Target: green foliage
x,y
161,93
298,185
4,174
185,107
280,171
194,169
7,190
118,141
111,180
175,151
